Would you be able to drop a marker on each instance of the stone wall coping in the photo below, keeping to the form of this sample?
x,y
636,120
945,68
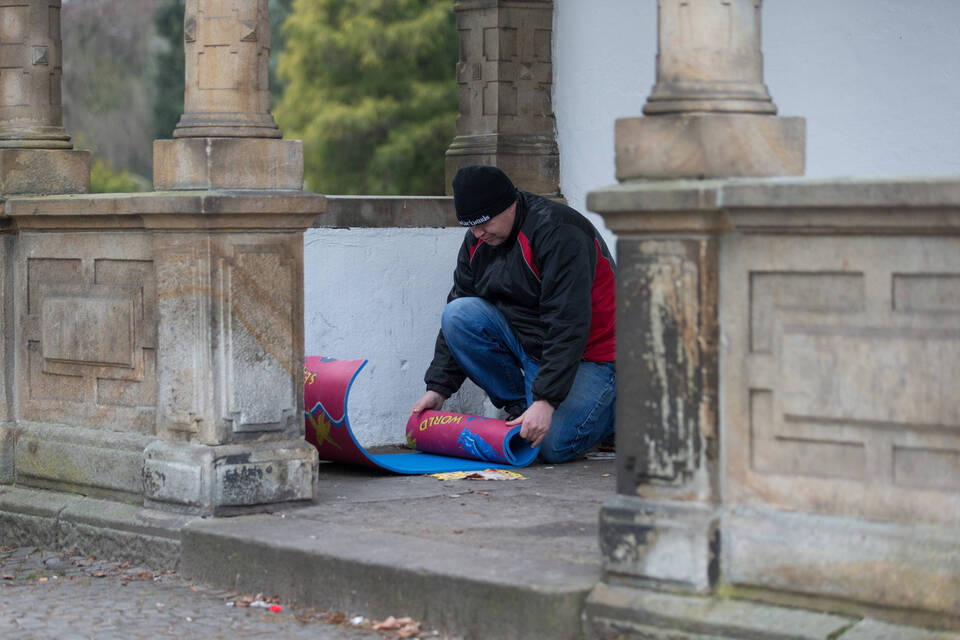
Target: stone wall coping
x,y
180,210
388,211
791,205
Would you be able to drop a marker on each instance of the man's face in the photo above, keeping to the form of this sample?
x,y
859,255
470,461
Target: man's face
x,y
497,229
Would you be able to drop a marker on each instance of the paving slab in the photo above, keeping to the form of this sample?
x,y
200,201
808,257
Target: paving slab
x,y
630,612
876,630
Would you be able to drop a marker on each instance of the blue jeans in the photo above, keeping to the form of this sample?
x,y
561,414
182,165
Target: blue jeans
x,y
487,350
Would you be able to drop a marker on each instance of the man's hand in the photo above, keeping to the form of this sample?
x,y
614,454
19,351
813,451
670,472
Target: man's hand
x,y
535,422
429,400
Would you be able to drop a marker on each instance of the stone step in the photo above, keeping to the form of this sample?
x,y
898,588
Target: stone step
x,y
473,592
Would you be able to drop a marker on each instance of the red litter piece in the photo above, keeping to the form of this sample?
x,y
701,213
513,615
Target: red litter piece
x,y
276,608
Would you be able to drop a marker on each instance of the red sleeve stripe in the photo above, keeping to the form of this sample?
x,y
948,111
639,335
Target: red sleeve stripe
x,y
527,253
602,341
474,248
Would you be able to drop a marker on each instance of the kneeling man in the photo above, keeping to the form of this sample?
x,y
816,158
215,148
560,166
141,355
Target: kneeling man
x,y
530,317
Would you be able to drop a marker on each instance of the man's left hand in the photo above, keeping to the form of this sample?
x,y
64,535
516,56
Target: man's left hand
x,y
535,422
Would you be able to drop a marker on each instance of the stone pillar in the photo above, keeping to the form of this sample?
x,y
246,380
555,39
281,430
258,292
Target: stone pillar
x,y
229,295
36,155
663,527
226,137
505,75
229,369
709,114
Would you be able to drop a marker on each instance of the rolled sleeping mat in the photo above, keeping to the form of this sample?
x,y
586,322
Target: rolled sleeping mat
x,y
443,441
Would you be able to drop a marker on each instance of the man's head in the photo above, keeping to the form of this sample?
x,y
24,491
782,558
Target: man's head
x,y
485,201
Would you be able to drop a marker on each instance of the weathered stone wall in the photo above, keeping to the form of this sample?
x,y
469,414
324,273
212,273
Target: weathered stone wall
x,y
838,473
158,348
840,367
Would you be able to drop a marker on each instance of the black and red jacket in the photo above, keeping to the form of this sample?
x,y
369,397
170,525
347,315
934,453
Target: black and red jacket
x,y
553,280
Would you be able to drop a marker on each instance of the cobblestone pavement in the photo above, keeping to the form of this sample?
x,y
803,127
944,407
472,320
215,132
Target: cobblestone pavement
x,y
47,595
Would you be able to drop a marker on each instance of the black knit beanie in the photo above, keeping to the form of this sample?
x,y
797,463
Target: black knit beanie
x,y
481,192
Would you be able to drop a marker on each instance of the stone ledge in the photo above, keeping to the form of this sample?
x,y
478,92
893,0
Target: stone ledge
x,y
239,209
787,205
477,592
373,212
78,524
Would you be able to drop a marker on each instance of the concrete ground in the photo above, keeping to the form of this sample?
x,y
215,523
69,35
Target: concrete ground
x,y
489,558
506,559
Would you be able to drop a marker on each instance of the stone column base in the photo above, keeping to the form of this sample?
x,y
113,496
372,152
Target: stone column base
x,y
709,145
94,462
227,163
224,479
44,171
664,545
532,162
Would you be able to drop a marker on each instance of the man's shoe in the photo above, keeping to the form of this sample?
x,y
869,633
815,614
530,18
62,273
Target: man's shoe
x,y
513,411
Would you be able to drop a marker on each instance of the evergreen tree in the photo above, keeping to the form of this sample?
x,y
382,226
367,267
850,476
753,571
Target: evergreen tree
x,y
371,91
279,12
168,80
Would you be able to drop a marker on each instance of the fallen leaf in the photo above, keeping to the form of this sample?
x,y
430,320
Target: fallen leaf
x,y
388,624
335,618
7,577
98,574
193,588
42,579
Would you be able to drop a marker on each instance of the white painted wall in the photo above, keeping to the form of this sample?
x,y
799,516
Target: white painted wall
x,y
377,294
877,80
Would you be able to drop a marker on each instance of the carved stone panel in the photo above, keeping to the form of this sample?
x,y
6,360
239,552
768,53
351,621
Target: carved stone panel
x,y
841,370
230,323
87,341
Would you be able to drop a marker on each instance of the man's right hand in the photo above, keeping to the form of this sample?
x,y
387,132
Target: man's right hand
x,y
429,400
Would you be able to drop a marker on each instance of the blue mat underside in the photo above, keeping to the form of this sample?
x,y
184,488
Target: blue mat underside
x,y
416,463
